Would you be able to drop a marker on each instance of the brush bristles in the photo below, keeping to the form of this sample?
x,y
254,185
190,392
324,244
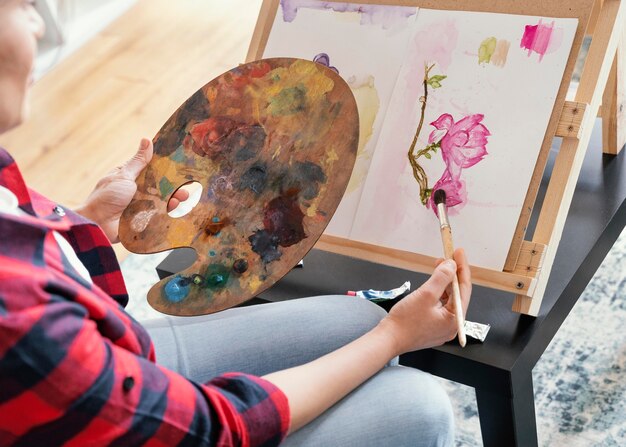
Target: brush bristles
x,y
440,197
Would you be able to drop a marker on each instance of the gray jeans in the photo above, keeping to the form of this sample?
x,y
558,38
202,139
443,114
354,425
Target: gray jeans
x,y
397,407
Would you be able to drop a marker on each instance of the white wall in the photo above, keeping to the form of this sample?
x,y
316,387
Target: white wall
x,y
71,23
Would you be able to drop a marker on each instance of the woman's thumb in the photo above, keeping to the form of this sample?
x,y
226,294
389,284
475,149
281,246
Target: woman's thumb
x,y
140,160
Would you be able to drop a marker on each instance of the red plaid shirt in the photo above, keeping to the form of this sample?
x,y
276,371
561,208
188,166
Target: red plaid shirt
x,y
76,369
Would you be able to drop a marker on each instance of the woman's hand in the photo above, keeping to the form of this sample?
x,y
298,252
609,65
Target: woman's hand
x,y
425,318
114,192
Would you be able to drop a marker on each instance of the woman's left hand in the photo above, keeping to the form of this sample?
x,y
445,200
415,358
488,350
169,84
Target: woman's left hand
x,y
114,192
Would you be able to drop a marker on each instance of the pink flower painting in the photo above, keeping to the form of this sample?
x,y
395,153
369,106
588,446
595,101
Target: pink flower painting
x,y
463,144
456,193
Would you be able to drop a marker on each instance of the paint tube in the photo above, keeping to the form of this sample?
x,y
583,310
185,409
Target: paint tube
x,y
476,330
382,295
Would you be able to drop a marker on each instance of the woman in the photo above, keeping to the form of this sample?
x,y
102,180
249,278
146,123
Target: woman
x,y
76,369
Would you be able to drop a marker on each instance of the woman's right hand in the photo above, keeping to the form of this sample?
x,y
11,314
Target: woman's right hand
x,y
425,318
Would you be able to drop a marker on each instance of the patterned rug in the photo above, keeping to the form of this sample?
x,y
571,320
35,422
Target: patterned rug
x,y
580,390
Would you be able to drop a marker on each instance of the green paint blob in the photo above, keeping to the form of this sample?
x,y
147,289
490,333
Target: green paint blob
x,y
217,276
166,187
178,155
289,101
486,50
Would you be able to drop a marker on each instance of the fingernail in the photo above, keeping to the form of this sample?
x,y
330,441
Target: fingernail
x,y
450,264
144,144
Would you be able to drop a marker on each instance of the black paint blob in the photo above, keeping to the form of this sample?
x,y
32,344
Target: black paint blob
x,y
265,245
240,266
310,175
254,179
248,142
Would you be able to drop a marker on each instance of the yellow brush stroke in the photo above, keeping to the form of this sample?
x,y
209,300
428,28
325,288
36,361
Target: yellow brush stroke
x,y
368,104
312,210
331,158
178,233
253,283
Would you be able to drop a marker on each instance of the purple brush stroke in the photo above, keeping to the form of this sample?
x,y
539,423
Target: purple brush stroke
x,y
324,59
386,16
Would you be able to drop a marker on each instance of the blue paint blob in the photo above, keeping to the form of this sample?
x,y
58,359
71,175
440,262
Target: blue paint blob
x,y
211,253
216,219
176,289
178,155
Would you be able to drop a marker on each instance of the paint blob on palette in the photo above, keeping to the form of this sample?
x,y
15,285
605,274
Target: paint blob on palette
x,y
273,144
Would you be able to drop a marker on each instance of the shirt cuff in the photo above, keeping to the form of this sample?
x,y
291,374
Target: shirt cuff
x,y
262,408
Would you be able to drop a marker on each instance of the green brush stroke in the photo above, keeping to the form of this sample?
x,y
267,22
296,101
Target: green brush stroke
x,y
486,50
166,187
178,155
289,101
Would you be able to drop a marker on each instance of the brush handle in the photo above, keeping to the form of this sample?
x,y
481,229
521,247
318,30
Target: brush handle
x,y
448,250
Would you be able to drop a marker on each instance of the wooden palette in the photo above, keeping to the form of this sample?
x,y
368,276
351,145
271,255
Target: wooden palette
x,y
272,143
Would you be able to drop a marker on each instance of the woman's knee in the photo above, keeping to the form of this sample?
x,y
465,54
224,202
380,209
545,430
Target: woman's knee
x,y
398,407
429,417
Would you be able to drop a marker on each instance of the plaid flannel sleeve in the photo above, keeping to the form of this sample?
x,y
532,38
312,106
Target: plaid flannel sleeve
x,y
62,382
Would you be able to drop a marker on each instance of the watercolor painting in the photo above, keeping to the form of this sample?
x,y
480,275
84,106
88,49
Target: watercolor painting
x,y
272,143
462,145
486,123
464,103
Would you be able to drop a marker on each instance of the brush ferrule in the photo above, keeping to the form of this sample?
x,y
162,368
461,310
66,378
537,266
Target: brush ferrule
x,y
443,215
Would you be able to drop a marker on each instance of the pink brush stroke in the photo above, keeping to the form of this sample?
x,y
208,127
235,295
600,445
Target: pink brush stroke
x,y
387,16
541,39
436,42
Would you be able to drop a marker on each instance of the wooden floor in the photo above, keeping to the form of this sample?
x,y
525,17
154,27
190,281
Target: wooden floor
x,y
89,112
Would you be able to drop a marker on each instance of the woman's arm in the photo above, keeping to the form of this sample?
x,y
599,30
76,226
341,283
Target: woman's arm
x,y
423,319
62,381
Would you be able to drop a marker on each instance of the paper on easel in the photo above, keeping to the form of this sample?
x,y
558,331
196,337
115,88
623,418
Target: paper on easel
x,y
492,80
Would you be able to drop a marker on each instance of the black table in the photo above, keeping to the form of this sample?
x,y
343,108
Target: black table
x,y
500,369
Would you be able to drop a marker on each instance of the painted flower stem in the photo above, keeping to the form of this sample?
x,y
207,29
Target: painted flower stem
x,y
418,171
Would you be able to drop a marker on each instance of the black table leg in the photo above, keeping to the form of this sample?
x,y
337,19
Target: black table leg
x,y
508,421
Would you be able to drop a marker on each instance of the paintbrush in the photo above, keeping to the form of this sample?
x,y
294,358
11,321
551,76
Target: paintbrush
x,y
448,250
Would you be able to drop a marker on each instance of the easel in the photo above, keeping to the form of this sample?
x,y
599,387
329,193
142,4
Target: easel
x,y
607,30
614,98
529,262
